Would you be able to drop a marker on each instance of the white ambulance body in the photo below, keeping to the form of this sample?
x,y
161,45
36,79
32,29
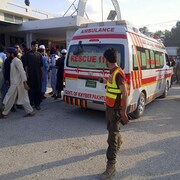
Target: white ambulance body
x,y
143,59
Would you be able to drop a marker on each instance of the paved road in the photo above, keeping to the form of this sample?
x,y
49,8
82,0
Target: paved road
x,y
66,142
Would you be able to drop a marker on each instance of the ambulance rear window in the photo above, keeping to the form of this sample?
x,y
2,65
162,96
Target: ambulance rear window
x,y
91,56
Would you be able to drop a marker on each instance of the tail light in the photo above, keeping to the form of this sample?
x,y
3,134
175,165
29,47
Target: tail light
x,y
128,78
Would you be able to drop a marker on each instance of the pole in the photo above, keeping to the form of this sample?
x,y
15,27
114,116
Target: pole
x,y
102,9
70,8
117,8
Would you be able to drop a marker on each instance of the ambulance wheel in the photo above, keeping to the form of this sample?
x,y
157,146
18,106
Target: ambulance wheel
x,y
166,89
140,106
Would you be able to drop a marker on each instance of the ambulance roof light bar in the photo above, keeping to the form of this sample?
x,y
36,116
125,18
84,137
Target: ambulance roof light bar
x,y
110,23
129,25
125,23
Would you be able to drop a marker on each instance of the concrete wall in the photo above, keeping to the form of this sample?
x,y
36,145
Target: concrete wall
x,y
10,7
45,24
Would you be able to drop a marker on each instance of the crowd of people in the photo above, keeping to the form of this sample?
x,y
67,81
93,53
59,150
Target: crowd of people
x,y
24,75
25,81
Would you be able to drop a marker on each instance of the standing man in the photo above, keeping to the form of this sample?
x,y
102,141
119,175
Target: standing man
x,y
7,65
178,72
3,57
116,107
18,86
34,70
2,54
1,82
45,71
6,84
53,70
60,73
19,51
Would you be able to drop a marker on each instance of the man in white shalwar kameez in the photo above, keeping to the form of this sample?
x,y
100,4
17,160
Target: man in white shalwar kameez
x,y
18,86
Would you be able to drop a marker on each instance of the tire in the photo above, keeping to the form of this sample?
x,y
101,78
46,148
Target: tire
x,y
140,106
166,89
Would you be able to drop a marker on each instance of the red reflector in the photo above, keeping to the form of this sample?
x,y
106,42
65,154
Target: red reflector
x,y
94,40
127,78
64,74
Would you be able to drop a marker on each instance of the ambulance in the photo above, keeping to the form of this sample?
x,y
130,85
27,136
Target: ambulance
x,y
144,61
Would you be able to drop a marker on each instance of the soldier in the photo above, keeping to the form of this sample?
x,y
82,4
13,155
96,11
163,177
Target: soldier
x,y
116,107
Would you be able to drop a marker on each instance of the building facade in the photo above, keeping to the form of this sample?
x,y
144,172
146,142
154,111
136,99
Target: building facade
x,y
21,24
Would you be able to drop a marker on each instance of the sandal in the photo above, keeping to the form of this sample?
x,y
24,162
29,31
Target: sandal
x,y
30,114
2,116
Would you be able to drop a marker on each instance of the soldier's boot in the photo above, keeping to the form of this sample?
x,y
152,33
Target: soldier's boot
x,y
109,172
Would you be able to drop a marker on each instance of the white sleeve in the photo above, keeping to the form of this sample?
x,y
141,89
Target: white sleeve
x,y
21,70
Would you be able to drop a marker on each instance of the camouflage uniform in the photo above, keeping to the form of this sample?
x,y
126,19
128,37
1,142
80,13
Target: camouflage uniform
x,y
114,140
